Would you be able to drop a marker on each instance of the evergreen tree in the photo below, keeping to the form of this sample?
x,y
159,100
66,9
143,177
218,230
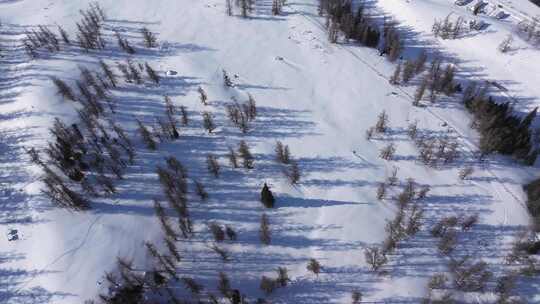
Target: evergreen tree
x,y
267,198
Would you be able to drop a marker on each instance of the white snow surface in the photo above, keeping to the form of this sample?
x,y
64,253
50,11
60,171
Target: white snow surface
x,y
318,98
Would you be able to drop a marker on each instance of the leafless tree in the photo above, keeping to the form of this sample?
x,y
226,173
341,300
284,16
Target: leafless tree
x,y
63,89
245,154
375,257
152,74
382,122
208,122
150,39
213,165
184,114
264,230
147,136
387,153
202,95
293,173
233,159
282,153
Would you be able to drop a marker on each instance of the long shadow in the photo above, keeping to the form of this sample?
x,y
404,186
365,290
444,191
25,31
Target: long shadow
x,y
12,279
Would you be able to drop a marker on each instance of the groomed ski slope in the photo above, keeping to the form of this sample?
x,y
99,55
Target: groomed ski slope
x,y
316,97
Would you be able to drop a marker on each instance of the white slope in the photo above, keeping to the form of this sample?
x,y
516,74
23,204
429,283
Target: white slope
x,y
319,99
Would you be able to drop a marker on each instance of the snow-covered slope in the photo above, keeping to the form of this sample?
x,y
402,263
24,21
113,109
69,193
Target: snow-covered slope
x,y
319,98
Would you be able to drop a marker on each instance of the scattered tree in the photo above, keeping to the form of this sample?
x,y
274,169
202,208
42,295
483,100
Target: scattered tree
x,y
375,257
264,230
382,122
208,122
202,95
245,154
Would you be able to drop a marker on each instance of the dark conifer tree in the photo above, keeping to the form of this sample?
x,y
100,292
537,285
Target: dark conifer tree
x,y
267,198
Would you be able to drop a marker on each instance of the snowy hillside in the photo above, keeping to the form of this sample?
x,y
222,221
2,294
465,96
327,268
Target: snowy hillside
x,y
158,176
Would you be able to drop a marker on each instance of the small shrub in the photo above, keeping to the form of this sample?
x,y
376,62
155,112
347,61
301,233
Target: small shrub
x,y
227,80
282,153
447,243
267,285
469,222
314,266
506,44
369,133
392,179
387,153
423,192
465,173
356,297
381,191
231,234
437,281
